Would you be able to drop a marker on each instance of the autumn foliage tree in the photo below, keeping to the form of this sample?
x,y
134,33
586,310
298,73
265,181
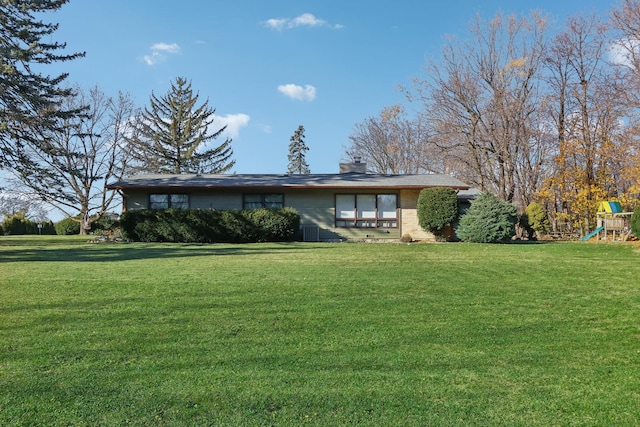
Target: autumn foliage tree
x,y
589,97
532,116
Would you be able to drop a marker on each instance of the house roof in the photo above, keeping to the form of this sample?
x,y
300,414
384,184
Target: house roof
x,y
273,181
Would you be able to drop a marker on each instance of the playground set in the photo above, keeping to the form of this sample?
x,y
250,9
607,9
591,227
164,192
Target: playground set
x,y
612,223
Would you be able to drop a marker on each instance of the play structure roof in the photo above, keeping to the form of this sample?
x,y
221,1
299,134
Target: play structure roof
x,y
610,207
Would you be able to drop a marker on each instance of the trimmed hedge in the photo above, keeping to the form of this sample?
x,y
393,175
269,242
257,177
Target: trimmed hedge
x,y
210,226
437,209
17,225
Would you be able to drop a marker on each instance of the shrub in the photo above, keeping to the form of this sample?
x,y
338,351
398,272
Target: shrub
x,y
17,224
105,223
635,221
208,226
535,219
488,220
67,226
406,238
437,209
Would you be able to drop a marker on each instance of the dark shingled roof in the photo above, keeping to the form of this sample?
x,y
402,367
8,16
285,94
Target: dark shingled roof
x,y
271,181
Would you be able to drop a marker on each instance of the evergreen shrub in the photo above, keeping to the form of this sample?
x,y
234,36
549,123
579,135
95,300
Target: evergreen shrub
x,y
67,227
105,223
535,219
488,220
437,209
635,221
210,226
19,225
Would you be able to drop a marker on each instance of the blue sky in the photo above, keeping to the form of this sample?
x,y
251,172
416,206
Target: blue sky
x,y
268,66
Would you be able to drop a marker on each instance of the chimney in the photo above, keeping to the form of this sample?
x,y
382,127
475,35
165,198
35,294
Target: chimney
x,y
355,167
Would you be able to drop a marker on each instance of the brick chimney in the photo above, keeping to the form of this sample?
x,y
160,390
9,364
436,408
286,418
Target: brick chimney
x,y
355,167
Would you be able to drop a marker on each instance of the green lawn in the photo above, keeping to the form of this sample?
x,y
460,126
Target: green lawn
x,y
318,334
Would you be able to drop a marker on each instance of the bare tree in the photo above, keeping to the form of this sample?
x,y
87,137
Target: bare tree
x,y
18,203
481,101
626,21
392,144
587,106
70,167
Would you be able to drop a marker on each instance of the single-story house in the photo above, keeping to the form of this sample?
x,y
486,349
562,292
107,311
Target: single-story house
x,y
349,205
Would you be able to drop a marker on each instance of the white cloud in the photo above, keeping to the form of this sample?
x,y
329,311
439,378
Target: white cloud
x,y
234,123
304,20
164,47
624,52
276,24
159,52
298,93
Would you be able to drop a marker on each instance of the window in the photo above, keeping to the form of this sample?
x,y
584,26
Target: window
x,y
166,201
258,201
367,210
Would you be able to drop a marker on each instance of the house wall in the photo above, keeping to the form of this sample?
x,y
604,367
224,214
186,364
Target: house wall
x,y
315,206
409,211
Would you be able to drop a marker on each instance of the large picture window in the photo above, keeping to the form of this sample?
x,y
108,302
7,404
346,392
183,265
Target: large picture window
x,y
259,201
367,210
166,201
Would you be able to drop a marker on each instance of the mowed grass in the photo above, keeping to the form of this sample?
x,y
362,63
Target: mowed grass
x,y
318,334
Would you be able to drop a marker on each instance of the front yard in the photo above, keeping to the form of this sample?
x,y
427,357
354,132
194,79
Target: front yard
x,y
318,334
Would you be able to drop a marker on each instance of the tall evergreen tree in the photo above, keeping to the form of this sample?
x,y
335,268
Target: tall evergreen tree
x,y
297,149
28,99
172,132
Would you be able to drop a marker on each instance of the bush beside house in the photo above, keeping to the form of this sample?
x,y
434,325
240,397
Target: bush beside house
x,y
437,210
488,220
210,226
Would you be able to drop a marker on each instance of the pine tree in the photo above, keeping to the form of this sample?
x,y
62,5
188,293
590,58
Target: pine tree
x,y
297,149
28,99
488,220
172,132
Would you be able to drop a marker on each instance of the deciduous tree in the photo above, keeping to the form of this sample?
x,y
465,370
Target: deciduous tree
x,y
480,103
71,166
393,144
589,110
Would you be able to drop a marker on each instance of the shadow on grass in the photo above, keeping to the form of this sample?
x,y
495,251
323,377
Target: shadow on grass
x,y
108,252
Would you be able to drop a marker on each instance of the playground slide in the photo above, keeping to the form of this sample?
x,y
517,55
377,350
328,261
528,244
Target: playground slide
x,y
593,233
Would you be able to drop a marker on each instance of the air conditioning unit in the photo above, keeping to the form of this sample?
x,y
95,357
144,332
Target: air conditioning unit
x,y
310,233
